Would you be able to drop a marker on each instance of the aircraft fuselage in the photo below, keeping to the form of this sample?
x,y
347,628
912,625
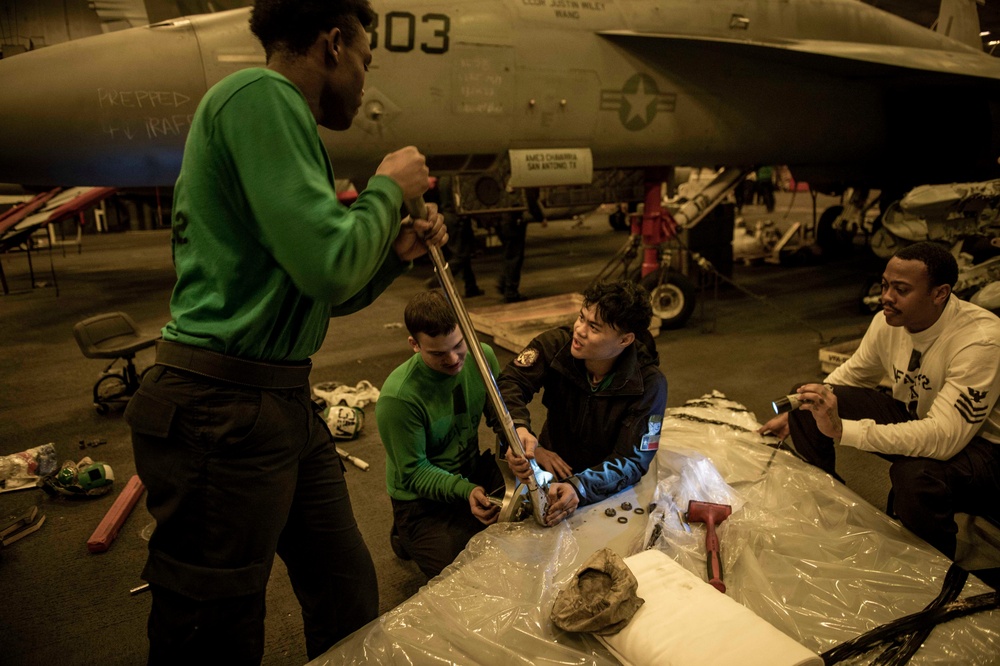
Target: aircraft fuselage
x,y
833,87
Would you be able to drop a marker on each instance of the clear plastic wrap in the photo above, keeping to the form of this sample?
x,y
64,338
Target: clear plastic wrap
x,y
800,550
490,606
805,552
27,468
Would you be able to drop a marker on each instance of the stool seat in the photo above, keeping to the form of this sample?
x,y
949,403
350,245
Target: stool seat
x,y
113,335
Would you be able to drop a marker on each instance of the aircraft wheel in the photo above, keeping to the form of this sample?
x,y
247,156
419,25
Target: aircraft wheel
x,y
833,242
618,221
673,301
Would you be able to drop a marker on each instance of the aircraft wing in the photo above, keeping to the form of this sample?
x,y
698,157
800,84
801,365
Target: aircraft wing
x,y
70,203
17,214
944,62
54,206
968,64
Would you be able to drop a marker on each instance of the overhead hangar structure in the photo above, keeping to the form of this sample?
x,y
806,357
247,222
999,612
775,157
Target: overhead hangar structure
x,y
838,90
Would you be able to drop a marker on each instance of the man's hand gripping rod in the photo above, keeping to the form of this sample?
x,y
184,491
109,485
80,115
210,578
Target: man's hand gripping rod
x,y
537,497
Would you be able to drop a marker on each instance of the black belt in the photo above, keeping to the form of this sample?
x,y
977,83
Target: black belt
x,y
258,374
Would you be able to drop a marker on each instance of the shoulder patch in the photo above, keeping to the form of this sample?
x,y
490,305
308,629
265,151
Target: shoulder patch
x,y
651,440
526,358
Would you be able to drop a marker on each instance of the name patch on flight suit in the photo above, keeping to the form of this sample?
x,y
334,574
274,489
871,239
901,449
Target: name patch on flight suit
x,y
651,440
526,358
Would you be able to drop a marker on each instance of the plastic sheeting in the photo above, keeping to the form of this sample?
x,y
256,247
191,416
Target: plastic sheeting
x,y
27,468
800,550
491,606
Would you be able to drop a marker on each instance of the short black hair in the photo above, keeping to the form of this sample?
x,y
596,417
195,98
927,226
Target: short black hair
x,y
292,25
623,304
941,264
430,313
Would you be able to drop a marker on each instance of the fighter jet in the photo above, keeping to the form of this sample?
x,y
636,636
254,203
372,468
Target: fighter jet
x,y
554,89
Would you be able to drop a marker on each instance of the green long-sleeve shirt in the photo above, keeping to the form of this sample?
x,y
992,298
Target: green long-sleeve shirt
x,y
265,253
429,425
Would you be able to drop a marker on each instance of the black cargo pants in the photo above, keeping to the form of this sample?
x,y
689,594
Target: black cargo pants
x,y
434,533
927,493
235,474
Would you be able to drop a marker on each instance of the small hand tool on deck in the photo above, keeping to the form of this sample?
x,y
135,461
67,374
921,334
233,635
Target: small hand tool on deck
x,y
107,529
711,515
354,460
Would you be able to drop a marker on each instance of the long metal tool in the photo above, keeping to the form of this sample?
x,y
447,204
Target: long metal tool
x,y
506,422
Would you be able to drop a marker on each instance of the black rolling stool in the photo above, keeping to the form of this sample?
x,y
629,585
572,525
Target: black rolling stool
x,y
113,335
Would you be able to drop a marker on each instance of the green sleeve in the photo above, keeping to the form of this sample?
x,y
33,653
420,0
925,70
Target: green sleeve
x,y
331,252
391,269
403,431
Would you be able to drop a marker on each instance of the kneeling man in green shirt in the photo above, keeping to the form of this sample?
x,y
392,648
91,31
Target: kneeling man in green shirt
x,y
428,417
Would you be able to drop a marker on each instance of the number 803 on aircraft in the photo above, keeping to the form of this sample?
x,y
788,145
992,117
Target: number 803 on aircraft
x,y
398,32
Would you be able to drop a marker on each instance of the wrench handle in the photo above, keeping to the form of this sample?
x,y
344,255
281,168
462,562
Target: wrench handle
x,y
538,499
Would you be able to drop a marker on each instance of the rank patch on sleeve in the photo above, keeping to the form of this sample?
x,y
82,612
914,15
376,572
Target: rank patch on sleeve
x,y
972,406
526,358
651,440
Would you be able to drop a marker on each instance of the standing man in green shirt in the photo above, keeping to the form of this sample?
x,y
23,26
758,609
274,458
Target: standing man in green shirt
x,y
237,463
428,415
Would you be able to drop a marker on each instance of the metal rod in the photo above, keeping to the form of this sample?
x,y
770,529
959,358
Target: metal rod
x,y
354,460
538,499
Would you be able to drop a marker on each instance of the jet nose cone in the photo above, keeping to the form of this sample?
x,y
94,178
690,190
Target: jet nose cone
x,y
108,110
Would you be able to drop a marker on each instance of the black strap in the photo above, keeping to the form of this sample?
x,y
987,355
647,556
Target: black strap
x,y
245,372
902,649
915,623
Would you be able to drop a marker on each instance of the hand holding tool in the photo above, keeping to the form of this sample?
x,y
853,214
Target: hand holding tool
x,y
537,496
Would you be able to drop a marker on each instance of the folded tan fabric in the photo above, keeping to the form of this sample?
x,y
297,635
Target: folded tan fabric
x,y
600,599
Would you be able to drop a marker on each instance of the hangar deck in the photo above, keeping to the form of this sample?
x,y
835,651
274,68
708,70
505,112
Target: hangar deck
x,y
64,605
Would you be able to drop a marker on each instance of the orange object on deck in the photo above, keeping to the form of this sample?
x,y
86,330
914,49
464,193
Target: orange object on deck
x,y
113,520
